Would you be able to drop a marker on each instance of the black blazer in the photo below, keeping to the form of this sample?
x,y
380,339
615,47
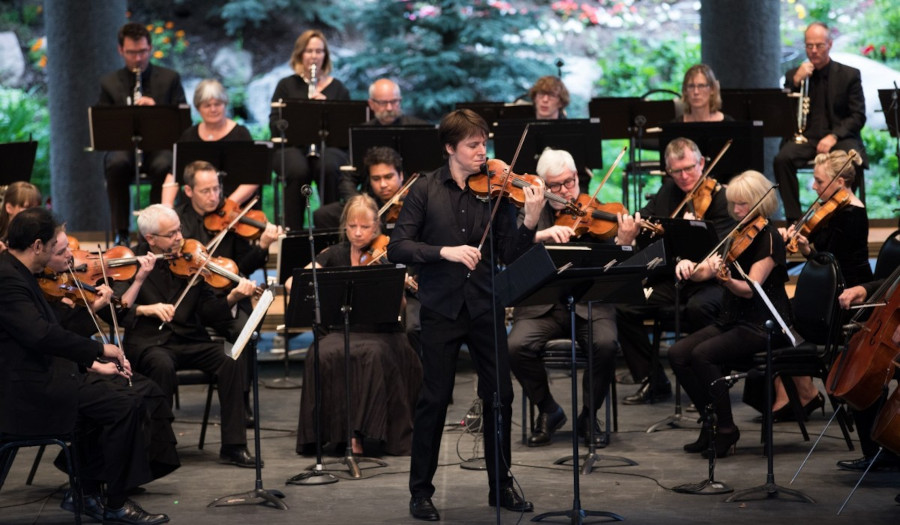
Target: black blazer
x,y
160,83
846,102
39,374
200,307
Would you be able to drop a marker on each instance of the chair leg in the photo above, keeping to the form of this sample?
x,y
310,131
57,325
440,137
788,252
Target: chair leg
x,y
7,456
74,478
794,400
524,417
34,466
209,394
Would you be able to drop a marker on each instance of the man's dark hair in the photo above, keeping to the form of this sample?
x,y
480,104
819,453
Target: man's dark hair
x,y
30,225
193,168
133,31
383,155
459,124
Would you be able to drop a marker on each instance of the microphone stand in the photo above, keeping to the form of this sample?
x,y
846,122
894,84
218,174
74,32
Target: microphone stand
x,y
896,107
709,485
277,200
316,474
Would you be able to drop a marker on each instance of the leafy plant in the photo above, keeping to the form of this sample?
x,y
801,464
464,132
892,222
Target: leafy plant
x,y
24,116
241,15
653,64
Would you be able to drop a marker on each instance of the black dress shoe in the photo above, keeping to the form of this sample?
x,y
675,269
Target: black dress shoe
x,y
701,444
423,509
132,514
647,394
510,500
600,438
238,455
862,463
546,425
91,505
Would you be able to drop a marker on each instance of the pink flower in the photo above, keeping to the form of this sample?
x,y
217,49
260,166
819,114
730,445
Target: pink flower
x,y
868,49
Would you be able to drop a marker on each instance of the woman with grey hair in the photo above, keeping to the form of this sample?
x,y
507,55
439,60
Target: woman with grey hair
x,y
211,101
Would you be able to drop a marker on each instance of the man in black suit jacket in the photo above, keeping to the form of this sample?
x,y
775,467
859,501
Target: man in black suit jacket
x,y
42,387
533,326
161,339
158,85
837,113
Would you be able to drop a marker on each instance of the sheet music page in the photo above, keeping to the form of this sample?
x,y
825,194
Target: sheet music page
x,y
262,306
769,305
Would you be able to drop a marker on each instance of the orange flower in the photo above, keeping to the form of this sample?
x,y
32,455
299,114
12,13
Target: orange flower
x,y
166,40
158,54
158,30
43,61
149,27
185,43
38,44
170,25
179,33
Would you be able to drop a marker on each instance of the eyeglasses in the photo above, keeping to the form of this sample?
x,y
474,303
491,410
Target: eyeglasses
x,y
314,51
679,171
546,94
171,235
691,87
382,103
820,46
137,52
568,183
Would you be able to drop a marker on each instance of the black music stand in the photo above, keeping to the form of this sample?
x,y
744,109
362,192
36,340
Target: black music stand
x,y
684,239
629,118
322,123
17,159
890,105
580,137
293,252
243,162
771,106
418,146
745,152
534,279
137,128
494,112
346,294
248,339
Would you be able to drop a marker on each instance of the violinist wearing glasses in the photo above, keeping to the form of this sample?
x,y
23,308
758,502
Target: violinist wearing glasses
x,y
533,326
161,338
738,333
702,300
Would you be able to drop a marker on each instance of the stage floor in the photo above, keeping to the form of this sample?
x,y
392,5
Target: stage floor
x,y
641,494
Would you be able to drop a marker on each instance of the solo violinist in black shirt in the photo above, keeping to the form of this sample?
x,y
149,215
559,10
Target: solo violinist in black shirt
x,y
439,227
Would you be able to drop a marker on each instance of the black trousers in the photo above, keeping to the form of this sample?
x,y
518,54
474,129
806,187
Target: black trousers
x,y
299,170
119,169
160,363
441,341
528,337
702,302
697,361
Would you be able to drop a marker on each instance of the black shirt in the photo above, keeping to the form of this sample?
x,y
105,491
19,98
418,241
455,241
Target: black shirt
x,y
846,235
436,213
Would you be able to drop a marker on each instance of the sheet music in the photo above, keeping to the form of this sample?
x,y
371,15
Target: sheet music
x,y
769,305
262,306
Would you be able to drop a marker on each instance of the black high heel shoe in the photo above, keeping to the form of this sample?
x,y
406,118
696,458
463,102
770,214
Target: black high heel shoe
x,y
814,404
701,444
725,444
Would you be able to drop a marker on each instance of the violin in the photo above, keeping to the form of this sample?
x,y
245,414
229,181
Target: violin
x,y
592,217
390,212
218,272
73,243
250,226
59,286
859,374
817,215
494,182
703,196
738,241
118,263
377,250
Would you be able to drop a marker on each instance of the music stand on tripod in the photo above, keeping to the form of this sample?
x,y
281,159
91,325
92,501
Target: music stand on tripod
x,y
241,162
248,338
17,159
890,105
327,123
367,295
137,128
534,279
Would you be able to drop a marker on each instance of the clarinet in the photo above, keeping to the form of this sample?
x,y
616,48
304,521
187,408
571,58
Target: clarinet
x,y
313,82
136,94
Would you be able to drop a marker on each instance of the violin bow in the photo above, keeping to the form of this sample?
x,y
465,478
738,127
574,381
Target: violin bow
x,y
812,207
690,194
112,311
214,243
192,282
746,220
509,171
396,198
602,182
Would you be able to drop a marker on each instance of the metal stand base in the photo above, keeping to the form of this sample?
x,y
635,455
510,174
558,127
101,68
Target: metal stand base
x,y
254,497
590,460
768,491
705,487
315,476
578,516
283,383
473,464
352,463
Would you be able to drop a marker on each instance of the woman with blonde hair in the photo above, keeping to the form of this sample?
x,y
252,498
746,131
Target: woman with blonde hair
x,y
739,332
18,196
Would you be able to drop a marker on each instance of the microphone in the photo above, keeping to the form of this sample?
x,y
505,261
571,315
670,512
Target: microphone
x,y
306,190
734,377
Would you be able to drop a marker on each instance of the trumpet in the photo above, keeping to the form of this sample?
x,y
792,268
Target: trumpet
x,y
137,93
802,111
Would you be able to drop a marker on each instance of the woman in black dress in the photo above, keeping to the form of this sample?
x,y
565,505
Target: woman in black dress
x,y
310,49
739,333
385,372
